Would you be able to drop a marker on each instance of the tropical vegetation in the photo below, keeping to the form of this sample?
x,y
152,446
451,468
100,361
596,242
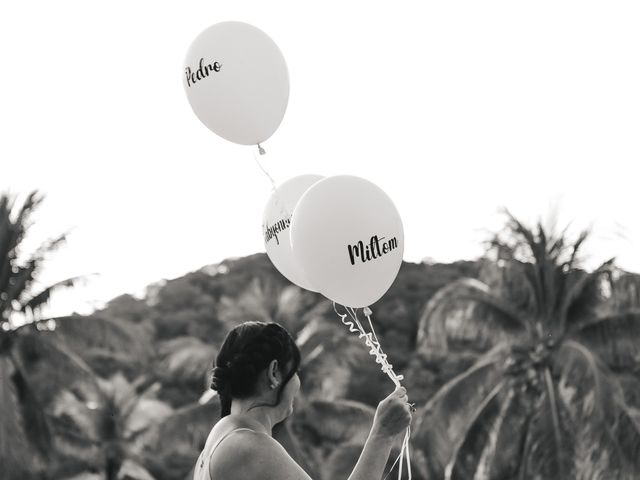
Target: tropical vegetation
x,y
523,364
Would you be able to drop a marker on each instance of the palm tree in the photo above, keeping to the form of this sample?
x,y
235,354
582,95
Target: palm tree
x,y
541,401
170,447
100,428
39,355
23,423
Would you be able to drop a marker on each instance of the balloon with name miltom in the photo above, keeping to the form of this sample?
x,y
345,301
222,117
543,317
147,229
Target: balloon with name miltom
x,y
237,82
348,239
276,222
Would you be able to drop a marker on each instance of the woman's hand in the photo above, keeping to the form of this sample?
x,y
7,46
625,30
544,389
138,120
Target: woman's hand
x,y
393,415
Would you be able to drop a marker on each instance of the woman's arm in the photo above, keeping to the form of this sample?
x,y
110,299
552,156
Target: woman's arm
x,y
248,454
392,418
258,456
373,457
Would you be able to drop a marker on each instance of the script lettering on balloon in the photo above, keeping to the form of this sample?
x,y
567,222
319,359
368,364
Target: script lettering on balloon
x,y
273,230
202,72
374,249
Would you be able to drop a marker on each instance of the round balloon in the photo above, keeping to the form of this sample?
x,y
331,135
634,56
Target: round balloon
x,y
276,222
237,82
347,237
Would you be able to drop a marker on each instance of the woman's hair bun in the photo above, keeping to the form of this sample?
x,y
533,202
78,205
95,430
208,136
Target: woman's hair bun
x,y
220,378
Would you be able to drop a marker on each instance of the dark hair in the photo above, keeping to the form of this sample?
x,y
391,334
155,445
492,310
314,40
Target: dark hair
x,y
248,350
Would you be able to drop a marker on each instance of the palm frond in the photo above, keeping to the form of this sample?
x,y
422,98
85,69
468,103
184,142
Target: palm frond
x,y
51,365
47,247
330,356
250,304
526,448
35,302
330,423
607,431
186,358
486,413
493,446
118,395
512,281
432,331
6,205
75,420
12,232
14,447
183,432
576,248
36,424
132,470
536,248
554,409
97,331
77,429
444,419
615,338
584,295
144,414
18,281
625,291
548,450
293,304
105,362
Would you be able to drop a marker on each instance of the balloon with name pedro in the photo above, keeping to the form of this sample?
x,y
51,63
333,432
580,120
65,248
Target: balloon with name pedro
x,y
347,237
276,222
237,82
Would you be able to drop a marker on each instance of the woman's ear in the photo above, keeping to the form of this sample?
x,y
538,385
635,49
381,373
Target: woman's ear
x,y
273,373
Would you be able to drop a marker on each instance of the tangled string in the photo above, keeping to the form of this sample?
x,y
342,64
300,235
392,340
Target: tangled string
x,y
371,341
375,349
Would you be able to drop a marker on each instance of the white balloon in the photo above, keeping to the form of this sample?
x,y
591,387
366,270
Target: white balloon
x,y
347,237
276,222
237,82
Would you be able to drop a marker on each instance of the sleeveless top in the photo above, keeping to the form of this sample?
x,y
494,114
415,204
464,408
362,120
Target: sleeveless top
x,y
201,470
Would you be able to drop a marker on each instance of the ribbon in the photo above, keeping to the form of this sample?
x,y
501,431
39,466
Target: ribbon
x,y
262,152
375,349
279,204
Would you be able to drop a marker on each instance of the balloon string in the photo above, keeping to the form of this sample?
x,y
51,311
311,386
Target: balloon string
x,y
375,349
404,452
405,443
283,211
367,311
261,150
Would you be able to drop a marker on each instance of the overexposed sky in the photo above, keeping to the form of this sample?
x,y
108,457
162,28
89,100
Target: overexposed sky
x,y
453,108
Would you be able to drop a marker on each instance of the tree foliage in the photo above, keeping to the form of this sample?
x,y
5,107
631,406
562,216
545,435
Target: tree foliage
x,y
544,394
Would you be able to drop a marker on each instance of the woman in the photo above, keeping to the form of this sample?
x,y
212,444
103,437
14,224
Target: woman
x,y
256,377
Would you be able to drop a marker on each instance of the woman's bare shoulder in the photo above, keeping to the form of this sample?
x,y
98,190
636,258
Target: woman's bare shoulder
x,y
250,454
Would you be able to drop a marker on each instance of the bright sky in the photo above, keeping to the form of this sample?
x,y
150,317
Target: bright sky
x,y
453,108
